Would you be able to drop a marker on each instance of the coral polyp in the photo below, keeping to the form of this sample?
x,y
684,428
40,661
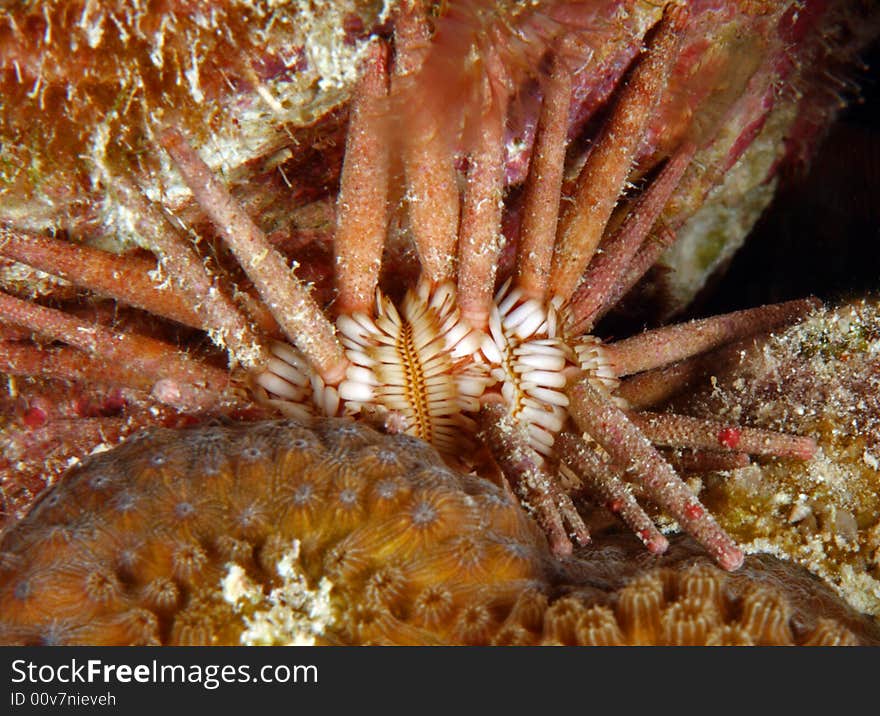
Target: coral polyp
x,y
329,532
452,298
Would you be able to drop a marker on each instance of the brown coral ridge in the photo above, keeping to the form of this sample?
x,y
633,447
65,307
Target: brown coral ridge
x,y
330,532
682,598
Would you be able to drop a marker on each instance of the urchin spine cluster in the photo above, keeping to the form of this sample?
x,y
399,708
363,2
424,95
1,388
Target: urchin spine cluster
x,y
418,369
423,368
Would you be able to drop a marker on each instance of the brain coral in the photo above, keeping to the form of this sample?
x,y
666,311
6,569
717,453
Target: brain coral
x,y
330,532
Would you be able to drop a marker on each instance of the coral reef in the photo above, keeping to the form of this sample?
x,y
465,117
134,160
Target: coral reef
x,y
329,532
451,294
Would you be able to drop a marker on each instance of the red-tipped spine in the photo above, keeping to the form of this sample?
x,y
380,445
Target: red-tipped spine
x,y
595,414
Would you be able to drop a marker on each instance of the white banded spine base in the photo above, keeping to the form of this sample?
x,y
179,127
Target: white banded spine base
x,y
422,370
416,366
528,361
285,384
594,362
292,387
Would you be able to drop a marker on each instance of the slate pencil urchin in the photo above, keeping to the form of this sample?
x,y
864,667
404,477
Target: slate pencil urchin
x,y
489,345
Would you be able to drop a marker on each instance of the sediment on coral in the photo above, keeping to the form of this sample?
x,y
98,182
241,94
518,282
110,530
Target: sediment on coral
x,y
819,378
329,532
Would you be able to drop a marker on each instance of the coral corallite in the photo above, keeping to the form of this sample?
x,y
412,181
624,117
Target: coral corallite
x,y
330,532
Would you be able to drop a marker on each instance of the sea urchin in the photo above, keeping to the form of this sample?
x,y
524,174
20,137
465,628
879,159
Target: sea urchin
x,y
455,362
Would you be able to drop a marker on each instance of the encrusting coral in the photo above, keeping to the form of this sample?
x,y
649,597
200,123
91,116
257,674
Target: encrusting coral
x,y
239,76
330,532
